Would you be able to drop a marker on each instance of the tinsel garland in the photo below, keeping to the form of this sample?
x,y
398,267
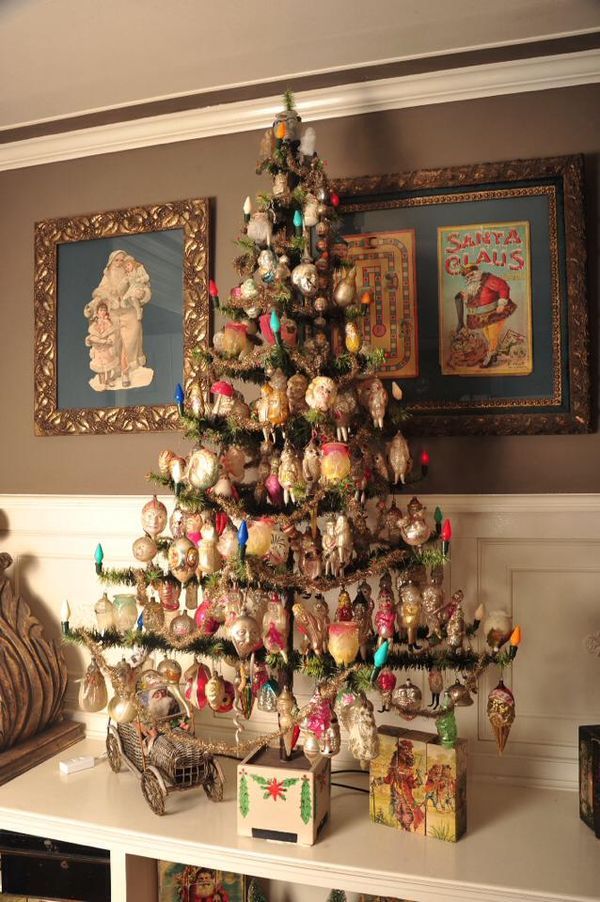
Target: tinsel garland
x,y
318,667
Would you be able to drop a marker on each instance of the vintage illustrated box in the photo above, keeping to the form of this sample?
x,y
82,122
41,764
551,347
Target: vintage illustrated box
x,y
419,786
397,779
446,790
589,776
283,800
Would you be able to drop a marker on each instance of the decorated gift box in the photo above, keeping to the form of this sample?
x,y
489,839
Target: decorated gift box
x,y
283,800
589,776
419,785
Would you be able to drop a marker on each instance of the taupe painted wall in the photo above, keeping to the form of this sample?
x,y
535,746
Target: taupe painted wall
x,y
528,125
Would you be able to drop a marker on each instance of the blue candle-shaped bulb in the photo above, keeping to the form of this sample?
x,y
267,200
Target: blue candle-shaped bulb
x,y
243,538
179,398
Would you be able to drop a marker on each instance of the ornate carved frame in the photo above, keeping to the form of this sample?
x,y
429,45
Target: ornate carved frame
x,y
192,216
506,179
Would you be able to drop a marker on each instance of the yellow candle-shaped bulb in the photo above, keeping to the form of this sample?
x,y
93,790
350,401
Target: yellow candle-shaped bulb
x,y
396,391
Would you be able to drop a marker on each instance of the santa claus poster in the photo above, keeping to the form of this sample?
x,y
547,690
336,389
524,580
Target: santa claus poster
x,y
485,299
185,883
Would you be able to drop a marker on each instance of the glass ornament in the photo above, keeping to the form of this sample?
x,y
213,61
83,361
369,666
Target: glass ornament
x,y
335,462
105,617
92,692
125,612
343,642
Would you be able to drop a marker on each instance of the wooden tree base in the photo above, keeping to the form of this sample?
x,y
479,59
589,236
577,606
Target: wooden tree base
x,y
25,755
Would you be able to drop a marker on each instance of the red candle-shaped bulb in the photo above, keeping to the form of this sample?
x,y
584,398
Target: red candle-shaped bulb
x,y
334,199
425,458
446,533
213,292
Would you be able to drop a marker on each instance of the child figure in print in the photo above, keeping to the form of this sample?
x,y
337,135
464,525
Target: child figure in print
x,y
102,342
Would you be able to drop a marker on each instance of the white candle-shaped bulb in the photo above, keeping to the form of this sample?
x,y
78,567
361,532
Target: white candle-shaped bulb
x,y
480,612
396,391
247,208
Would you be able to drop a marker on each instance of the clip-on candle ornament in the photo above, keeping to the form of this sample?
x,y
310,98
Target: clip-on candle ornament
x,y
98,557
514,642
479,615
247,208
446,535
65,613
176,469
379,658
298,224
179,398
243,539
213,293
275,324
438,517
425,461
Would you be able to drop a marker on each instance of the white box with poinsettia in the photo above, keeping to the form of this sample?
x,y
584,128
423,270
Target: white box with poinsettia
x,y
282,800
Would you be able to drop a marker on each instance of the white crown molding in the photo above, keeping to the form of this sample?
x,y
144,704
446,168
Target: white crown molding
x,y
466,83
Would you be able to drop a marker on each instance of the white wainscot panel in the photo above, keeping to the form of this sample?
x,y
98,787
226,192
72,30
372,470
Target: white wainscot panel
x,y
551,588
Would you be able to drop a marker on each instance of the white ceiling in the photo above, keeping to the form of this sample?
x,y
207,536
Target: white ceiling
x,y
62,57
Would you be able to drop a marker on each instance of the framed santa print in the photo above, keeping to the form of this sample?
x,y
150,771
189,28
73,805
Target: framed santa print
x,y
477,280
120,302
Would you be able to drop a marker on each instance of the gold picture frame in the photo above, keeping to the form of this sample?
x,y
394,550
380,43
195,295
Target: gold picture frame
x,y
120,302
551,392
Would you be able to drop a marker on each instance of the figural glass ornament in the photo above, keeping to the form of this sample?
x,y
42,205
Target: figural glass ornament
x,y
144,549
169,591
182,558
407,699
501,713
399,458
321,394
497,628
343,642
245,633
154,517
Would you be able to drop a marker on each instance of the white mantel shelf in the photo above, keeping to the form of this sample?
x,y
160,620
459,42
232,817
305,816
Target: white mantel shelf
x,y
521,843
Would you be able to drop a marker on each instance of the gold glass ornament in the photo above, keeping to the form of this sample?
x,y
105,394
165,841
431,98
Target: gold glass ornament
x,y
182,626
182,558
121,710
169,591
209,559
414,528
305,279
215,690
260,535
353,339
